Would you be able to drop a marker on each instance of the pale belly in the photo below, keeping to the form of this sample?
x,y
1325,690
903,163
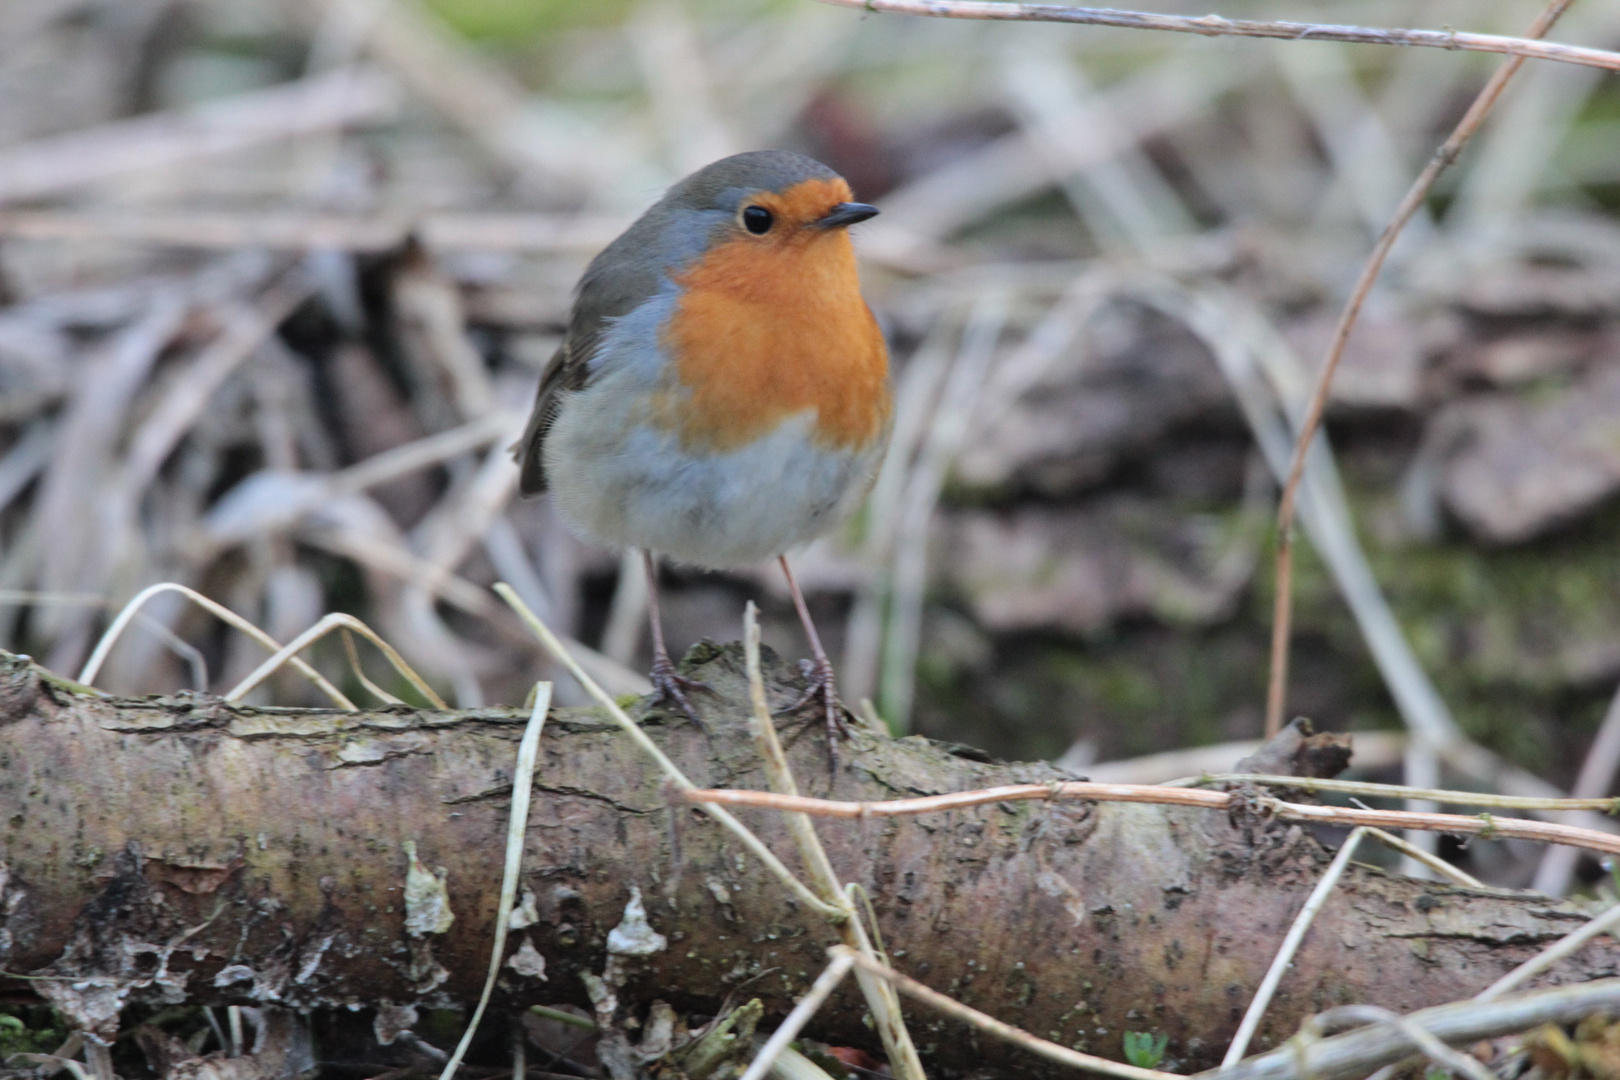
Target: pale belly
x,y
631,485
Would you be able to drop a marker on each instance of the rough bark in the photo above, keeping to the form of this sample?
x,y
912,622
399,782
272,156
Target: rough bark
x,y
183,850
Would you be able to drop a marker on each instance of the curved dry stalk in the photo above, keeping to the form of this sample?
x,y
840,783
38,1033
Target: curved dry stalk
x,y
1283,606
360,673
754,844
1000,1029
1216,26
1427,858
175,644
1486,825
103,647
327,624
517,827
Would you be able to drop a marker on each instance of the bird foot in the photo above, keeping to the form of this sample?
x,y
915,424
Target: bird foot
x,y
670,687
822,687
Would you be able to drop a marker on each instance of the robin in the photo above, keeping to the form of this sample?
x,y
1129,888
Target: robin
x,y
722,394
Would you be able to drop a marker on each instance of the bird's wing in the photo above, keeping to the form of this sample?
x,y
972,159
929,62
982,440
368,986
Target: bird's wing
x,y
617,281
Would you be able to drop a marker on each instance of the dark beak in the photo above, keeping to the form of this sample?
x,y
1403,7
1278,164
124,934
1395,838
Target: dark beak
x,y
846,214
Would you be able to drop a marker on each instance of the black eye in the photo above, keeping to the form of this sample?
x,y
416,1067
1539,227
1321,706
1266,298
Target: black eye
x,y
757,220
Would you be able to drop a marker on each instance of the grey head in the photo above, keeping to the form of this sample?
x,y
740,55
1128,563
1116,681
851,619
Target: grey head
x,y
679,227
682,225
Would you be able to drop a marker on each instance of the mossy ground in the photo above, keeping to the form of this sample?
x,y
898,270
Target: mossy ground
x,y
1519,641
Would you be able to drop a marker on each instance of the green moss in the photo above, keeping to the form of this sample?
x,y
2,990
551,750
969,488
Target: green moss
x,y
30,1030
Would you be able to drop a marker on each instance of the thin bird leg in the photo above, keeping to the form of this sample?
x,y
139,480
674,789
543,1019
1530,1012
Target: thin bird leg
x,y
819,671
669,685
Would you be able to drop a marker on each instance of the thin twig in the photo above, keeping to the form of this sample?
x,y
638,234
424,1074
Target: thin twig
x,y
789,1030
1290,945
517,825
754,844
326,625
93,665
1001,1030
1486,825
1282,611
1402,791
1565,946
1216,26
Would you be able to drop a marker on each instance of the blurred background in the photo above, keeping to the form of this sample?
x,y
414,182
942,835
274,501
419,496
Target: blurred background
x,y
278,278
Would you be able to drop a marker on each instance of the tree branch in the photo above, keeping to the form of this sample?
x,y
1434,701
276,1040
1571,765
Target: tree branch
x,y
182,849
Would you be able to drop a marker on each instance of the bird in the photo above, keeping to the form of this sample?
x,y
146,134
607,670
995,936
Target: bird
x,y
722,393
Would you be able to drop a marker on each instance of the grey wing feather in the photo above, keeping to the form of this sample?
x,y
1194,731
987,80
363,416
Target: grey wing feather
x,y
562,373
615,283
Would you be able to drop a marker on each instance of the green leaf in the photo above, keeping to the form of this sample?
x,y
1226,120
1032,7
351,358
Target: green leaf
x,y
1145,1050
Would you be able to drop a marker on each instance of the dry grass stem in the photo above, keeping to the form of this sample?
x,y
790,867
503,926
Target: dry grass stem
x,y
1416,197
880,996
1268,381
1217,26
1485,825
1290,945
1360,1052
1430,1047
1596,776
517,825
327,624
755,846
180,647
1004,1031
1427,858
109,638
360,672
802,1012
939,445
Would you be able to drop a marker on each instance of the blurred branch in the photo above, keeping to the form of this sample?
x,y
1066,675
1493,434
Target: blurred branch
x,y
44,167
1282,615
295,231
466,88
1217,26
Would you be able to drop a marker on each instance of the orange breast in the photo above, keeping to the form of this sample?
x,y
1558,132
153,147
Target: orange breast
x,y
764,331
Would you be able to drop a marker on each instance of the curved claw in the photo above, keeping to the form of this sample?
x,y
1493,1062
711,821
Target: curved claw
x,y
671,687
821,683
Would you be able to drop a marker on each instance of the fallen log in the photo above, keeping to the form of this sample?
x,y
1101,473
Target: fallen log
x,y
181,850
